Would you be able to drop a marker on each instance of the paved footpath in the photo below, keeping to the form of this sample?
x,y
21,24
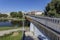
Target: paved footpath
x,y
9,31
30,36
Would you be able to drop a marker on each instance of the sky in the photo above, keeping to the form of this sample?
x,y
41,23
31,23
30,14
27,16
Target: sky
x,y
22,5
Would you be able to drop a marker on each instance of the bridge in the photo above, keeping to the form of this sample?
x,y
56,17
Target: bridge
x,y
50,27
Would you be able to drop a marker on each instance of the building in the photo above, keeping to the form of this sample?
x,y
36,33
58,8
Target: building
x,y
35,13
38,13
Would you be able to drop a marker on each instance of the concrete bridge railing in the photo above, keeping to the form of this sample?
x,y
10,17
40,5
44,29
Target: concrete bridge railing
x,y
52,24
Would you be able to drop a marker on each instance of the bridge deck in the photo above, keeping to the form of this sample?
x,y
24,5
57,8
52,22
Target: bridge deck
x,y
51,23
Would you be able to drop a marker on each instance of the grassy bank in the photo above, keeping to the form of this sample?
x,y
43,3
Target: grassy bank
x,y
7,28
12,36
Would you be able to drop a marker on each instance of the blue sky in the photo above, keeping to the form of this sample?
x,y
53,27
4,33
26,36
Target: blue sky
x,y
22,5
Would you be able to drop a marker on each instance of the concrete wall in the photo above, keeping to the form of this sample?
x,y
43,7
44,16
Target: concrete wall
x,y
36,31
31,27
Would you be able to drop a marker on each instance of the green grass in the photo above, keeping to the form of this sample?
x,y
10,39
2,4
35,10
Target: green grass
x,y
10,37
7,28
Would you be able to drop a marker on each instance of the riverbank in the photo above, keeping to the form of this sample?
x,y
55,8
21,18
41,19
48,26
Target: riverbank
x,y
8,28
12,36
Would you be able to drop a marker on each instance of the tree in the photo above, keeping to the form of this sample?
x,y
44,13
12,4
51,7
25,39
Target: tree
x,y
3,15
51,13
16,14
13,14
53,8
20,14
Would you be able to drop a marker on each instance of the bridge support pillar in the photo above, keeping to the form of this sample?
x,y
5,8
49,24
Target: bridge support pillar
x,y
31,27
35,30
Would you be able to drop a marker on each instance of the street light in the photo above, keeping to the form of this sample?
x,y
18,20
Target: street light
x,y
23,21
23,32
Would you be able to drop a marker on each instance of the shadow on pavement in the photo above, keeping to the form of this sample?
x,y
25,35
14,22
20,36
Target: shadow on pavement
x,y
28,38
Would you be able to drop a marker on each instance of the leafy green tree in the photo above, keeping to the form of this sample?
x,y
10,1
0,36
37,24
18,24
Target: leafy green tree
x,y
20,14
16,14
13,14
0,15
3,15
53,8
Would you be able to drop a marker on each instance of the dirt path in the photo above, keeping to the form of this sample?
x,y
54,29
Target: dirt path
x,y
9,31
30,36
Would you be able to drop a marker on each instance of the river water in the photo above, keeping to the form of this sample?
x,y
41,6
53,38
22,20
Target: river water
x,y
7,23
10,23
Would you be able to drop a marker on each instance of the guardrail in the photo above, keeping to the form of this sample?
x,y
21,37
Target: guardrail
x,y
54,20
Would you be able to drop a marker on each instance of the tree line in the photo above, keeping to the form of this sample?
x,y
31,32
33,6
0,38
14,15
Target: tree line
x,y
16,14
13,14
3,15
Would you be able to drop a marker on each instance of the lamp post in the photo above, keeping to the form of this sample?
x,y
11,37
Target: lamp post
x,y
23,32
23,22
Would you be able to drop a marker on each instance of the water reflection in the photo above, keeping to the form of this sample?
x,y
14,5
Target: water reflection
x,y
10,23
